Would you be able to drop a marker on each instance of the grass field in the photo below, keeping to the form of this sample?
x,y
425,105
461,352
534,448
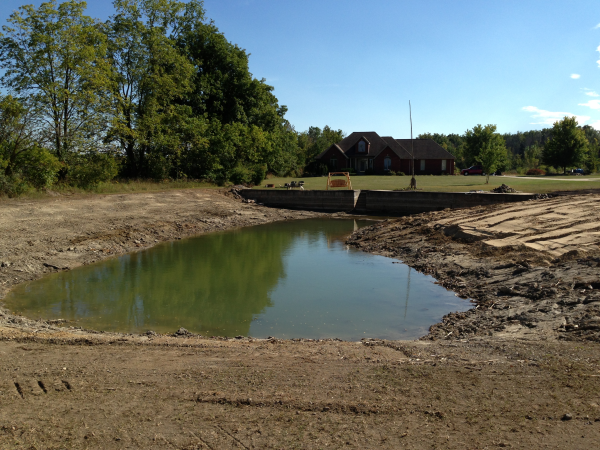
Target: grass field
x,y
454,183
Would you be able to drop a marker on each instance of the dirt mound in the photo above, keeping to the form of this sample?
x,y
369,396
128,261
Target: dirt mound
x,y
504,189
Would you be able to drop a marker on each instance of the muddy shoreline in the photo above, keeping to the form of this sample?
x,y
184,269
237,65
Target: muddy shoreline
x,y
50,235
518,291
510,373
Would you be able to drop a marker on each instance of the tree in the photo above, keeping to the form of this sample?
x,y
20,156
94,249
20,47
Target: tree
x,y
151,77
492,156
532,156
23,161
478,138
225,92
568,145
484,145
53,58
312,142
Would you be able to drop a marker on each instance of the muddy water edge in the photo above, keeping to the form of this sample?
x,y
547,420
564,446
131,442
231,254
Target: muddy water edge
x,y
471,387
519,293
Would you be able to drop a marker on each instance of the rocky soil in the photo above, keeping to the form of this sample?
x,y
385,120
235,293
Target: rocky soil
x,y
520,370
532,270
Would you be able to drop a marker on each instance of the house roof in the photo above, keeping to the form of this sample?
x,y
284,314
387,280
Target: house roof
x,y
425,149
397,148
376,143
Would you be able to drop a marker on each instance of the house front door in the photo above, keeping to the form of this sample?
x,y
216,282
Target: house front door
x,y
363,165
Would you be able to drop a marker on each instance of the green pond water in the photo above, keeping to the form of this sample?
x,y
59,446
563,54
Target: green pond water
x,y
286,279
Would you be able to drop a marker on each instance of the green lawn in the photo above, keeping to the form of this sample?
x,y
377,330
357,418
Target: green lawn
x,y
455,183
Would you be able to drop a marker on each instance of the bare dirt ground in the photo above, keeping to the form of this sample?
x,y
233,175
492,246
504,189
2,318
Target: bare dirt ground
x,y
504,375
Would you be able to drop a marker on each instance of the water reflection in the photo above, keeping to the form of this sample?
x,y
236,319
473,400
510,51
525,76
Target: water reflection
x,y
290,279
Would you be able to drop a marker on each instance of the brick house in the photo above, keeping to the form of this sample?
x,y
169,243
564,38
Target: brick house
x,y
368,152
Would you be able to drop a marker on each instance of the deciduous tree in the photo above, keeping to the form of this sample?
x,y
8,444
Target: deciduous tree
x,y
568,145
54,60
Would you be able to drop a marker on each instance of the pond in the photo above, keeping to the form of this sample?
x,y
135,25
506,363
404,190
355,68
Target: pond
x,y
285,279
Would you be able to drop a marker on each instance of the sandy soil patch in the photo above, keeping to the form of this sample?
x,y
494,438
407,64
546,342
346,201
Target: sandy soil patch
x,y
512,373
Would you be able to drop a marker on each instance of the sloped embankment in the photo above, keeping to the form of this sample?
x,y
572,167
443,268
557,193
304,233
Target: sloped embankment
x,y
532,269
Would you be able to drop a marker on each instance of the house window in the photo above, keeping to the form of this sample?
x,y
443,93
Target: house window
x,y
370,163
333,163
361,147
422,164
387,163
443,164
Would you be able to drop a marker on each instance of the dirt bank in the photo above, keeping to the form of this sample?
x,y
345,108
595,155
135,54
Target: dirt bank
x,y
521,387
532,269
43,236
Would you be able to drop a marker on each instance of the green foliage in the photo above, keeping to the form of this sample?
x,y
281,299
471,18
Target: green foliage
x,y
592,163
485,146
568,146
53,57
258,174
88,171
22,161
240,175
480,138
532,156
314,141
12,185
39,167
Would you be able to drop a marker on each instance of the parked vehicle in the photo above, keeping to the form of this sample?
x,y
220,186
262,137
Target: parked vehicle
x,y
473,170
578,171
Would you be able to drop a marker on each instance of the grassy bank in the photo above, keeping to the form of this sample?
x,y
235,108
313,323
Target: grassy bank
x,y
455,183
118,187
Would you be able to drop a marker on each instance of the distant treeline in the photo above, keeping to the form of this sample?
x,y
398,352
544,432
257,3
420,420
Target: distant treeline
x,y
158,92
524,149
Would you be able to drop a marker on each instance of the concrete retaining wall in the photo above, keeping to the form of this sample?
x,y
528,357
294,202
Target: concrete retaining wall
x,y
377,202
308,200
411,202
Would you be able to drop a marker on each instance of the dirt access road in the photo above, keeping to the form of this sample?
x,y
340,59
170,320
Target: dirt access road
x,y
468,385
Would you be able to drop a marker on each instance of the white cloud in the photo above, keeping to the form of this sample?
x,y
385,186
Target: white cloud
x,y
575,76
549,117
594,104
597,26
595,124
592,94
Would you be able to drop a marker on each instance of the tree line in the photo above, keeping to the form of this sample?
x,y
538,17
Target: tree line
x,y
156,91
565,145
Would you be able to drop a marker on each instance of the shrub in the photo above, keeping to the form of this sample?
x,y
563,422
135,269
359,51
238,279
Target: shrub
x,y
536,172
259,173
12,185
40,168
391,172
240,175
92,169
350,170
400,174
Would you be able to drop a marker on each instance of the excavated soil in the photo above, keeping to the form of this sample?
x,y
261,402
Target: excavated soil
x,y
532,269
520,370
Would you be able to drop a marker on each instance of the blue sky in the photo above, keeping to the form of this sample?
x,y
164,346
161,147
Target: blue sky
x,y
355,64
